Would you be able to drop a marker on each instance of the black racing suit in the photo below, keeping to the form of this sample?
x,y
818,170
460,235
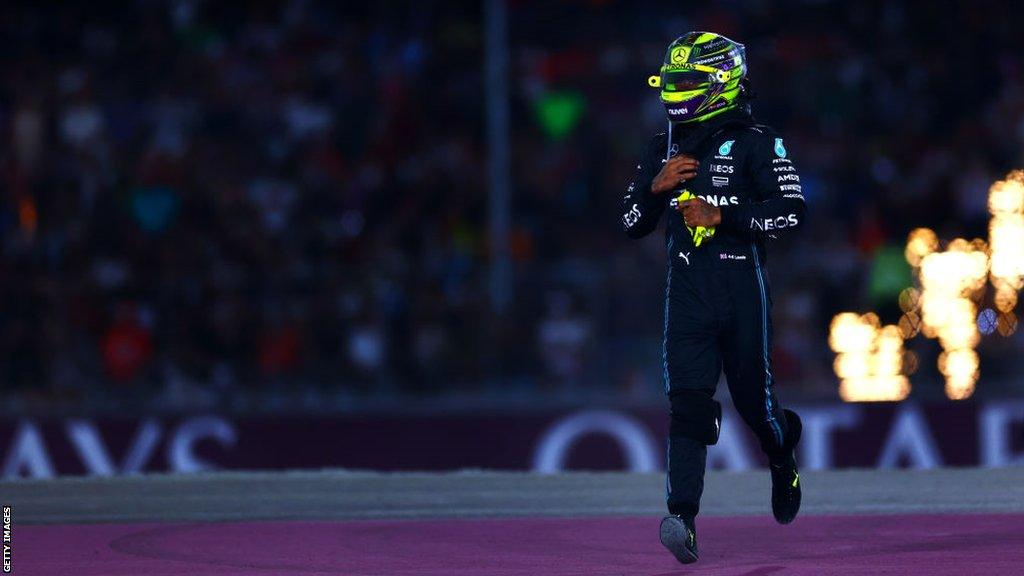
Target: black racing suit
x,y
717,297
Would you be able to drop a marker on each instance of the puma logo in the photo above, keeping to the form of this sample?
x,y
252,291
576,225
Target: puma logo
x,y
687,258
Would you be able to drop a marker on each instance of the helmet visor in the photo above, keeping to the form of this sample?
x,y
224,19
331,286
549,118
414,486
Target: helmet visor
x,y
682,96
685,80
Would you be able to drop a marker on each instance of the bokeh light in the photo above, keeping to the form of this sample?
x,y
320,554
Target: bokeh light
x,y
1006,238
920,243
870,361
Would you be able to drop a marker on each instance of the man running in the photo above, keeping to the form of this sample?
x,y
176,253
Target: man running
x,y
729,185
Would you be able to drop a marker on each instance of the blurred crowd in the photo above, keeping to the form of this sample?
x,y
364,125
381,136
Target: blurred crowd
x,y
203,200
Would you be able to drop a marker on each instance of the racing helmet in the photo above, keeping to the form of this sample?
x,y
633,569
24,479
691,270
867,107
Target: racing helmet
x,y
701,76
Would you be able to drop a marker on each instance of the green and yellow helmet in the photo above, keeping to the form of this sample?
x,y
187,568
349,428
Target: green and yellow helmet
x,y
701,76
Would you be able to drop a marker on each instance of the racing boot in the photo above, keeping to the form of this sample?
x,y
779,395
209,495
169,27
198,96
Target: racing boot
x,y
679,535
785,477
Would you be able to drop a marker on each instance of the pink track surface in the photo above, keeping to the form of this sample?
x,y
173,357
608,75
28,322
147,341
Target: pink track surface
x,y
896,544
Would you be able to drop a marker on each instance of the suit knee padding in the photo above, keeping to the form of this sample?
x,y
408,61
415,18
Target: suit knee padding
x,y
696,415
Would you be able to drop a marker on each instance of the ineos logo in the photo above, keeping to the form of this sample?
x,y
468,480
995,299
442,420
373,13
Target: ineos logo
x,y
775,223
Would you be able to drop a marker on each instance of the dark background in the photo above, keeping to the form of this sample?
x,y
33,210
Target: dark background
x,y
284,205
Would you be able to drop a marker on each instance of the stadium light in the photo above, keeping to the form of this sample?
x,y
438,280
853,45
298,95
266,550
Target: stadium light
x,y
870,360
1006,239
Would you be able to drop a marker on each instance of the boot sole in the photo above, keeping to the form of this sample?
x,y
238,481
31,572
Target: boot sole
x,y
673,537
